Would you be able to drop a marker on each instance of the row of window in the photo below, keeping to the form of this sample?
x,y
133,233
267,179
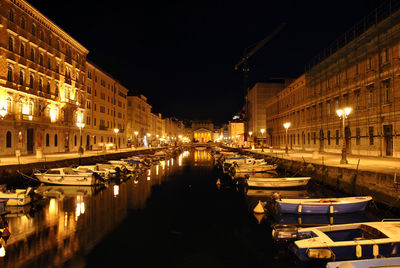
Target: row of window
x,y
310,113
33,30
313,136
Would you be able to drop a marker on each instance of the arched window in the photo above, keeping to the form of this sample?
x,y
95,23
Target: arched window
x,y
40,84
22,50
9,104
33,30
20,105
31,80
23,23
55,140
47,140
30,107
21,77
41,35
10,74
10,43
75,140
48,87
32,54
11,15
56,91
8,139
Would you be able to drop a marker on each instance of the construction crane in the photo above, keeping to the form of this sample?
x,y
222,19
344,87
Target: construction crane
x,y
248,54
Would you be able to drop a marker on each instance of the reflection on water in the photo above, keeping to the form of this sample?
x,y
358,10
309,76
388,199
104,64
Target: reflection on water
x,y
72,219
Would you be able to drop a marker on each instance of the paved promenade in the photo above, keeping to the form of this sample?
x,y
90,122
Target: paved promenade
x,y
26,159
381,165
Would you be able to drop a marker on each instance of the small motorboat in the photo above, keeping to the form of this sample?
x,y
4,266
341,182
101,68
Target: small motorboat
x,y
271,182
105,173
348,241
378,262
17,197
260,167
323,205
67,176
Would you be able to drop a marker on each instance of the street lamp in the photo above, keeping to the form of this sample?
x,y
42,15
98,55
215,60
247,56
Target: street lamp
x,y
286,126
262,142
80,125
116,130
136,138
343,113
3,112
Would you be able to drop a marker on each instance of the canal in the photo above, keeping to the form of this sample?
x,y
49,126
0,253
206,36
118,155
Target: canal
x,y
173,215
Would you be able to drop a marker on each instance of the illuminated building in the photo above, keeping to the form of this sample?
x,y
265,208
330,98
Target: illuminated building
x,y
142,121
106,110
48,89
42,74
202,131
360,71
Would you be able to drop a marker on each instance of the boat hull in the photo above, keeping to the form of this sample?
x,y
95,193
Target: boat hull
x,y
322,208
68,180
278,182
349,252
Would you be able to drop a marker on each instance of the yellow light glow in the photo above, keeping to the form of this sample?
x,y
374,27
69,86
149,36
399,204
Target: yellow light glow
x,y
262,131
339,112
2,251
116,190
286,125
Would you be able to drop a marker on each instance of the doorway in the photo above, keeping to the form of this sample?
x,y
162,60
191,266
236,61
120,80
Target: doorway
x,y
388,139
29,140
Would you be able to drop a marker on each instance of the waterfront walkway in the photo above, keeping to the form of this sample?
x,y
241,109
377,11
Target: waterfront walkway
x,y
27,159
374,164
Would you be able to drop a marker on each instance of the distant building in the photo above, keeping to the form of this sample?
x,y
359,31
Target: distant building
x,y
236,131
202,131
256,98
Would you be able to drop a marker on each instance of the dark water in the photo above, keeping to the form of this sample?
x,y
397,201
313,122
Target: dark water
x,y
173,216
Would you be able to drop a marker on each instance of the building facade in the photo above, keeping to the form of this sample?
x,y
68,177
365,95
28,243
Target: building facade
x,y
105,111
42,82
360,72
256,98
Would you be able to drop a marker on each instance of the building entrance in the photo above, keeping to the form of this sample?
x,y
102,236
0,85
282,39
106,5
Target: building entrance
x,y
29,140
388,135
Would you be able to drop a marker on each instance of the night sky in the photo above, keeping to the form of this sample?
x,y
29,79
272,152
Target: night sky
x,y
181,54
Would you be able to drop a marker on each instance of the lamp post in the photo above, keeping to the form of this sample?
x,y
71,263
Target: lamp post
x,y
3,112
80,125
286,126
116,130
343,113
262,141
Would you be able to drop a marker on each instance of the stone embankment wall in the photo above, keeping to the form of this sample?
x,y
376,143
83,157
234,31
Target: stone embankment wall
x,y
384,188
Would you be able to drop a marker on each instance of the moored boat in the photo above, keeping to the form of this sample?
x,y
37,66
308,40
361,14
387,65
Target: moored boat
x,y
17,197
270,182
377,262
259,167
67,176
323,205
349,241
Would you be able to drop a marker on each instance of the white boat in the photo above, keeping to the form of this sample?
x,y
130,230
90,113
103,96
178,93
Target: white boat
x,y
18,197
105,173
67,176
268,182
379,262
256,167
200,148
122,165
348,241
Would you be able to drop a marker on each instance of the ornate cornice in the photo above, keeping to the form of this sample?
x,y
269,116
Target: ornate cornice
x,y
48,24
